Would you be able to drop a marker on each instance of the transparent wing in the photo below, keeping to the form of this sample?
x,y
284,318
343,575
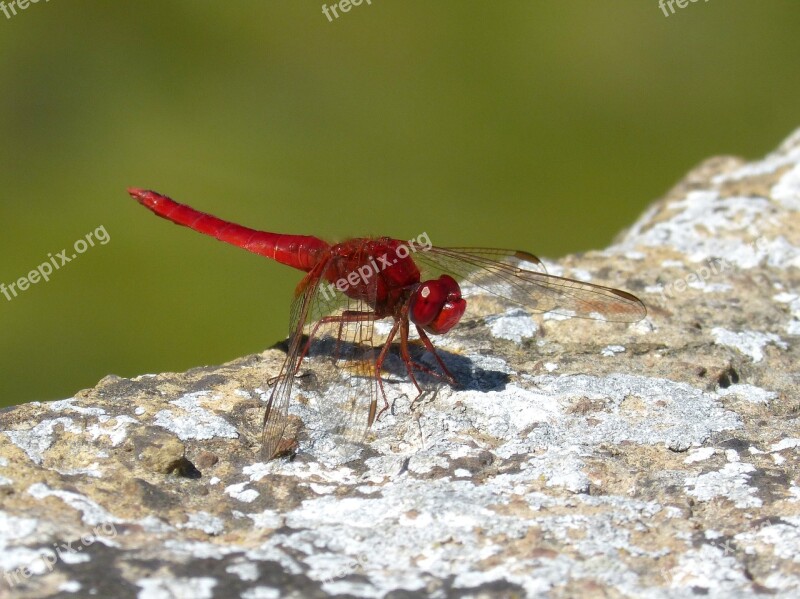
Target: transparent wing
x,y
329,375
521,278
277,413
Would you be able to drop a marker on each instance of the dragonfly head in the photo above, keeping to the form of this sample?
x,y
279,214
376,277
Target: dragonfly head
x,y
437,305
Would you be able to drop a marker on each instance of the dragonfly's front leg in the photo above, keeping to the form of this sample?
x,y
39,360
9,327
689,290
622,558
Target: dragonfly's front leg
x,y
406,356
429,345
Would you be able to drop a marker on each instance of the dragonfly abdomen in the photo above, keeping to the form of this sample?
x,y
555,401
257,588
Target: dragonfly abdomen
x,y
297,251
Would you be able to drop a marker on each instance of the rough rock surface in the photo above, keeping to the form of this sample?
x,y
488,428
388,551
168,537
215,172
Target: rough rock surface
x,y
582,459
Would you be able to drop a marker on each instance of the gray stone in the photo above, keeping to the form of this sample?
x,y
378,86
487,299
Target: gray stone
x,y
581,459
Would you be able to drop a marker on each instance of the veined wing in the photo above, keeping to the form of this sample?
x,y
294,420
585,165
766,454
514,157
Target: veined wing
x,y
521,278
277,412
335,389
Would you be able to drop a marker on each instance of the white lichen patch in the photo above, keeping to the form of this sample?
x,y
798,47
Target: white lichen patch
x,y
154,525
4,480
750,343
793,326
19,563
74,557
639,409
167,588
428,524
788,443
780,253
38,439
322,489
787,190
704,225
560,467
769,164
92,470
709,567
783,534
70,586
581,274
699,454
201,549
244,570
731,482
503,414
208,523
514,324
749,393
13,530
114,428
240,492
544,419
311,472
67,405
558,315
193,421
708,228
609,351
266,519
92,513
262,592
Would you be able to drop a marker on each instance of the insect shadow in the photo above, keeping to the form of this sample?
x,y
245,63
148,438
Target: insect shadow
x,y
469,376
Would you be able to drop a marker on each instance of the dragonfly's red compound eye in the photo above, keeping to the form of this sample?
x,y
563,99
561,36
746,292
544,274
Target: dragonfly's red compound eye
x,y
437,306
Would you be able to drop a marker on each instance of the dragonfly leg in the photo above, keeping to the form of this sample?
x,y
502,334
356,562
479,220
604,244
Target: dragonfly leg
x,y
350,316
447,374
378,369
344,317
406,356
274,379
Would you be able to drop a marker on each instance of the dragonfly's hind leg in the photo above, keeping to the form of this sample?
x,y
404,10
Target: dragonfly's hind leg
x,y
345,317
352,316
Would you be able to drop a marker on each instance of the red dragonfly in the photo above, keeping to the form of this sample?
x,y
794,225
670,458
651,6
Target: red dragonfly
x,y
351,285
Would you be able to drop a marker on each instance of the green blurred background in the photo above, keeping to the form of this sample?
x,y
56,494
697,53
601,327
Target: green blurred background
x,y
546,126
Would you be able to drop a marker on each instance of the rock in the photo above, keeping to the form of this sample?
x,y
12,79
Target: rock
x,y
581,459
